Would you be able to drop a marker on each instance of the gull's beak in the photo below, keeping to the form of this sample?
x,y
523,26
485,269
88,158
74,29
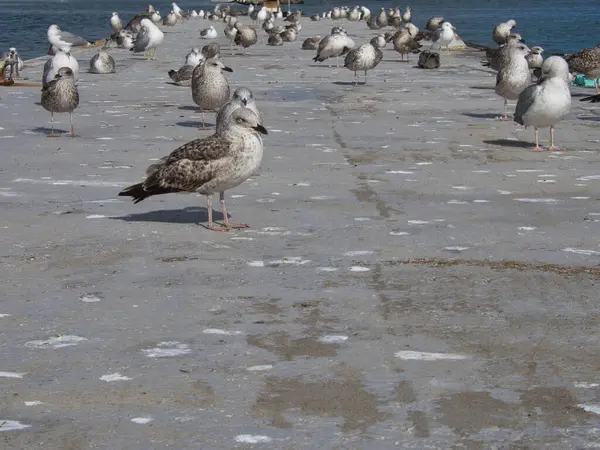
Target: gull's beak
x,y
260,129
453,27
227,69
245,102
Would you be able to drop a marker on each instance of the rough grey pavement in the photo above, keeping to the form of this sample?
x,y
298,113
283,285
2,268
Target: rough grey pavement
x,y
414,276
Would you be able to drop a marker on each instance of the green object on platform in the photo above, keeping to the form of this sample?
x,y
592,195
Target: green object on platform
x,y
581,80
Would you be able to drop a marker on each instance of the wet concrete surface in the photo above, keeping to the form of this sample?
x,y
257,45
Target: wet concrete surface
x,y
413,276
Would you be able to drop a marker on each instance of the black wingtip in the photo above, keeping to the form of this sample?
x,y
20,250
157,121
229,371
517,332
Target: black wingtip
x,y
227,69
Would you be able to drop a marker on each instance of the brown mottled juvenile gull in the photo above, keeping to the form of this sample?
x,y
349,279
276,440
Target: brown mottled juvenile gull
x,y
275,40
548,102
434,23
210,88
502,31
498,57
183,76
242,98
245,37
206,166
514,77
60,96
586,62
311,43
365,57
404,43
102,62
382,19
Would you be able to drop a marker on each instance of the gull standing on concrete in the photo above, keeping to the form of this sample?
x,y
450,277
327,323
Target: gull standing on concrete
x,y
502,31
102,62
170,20
210,88
155,17
548,102
177,11
62,58
206,166
378,41
60,96
444,36
13,61
242,98
365,57
407,16
230,32
246,36
514,77
404,43
149,37
115,22
382,19
334,45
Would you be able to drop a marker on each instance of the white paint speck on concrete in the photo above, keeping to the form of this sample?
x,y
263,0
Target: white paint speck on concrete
x,y
428,356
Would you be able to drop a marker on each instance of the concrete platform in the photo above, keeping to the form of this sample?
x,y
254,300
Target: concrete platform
x,y
414,276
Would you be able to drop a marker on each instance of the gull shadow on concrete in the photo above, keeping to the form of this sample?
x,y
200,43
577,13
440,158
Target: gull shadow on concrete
x,y
482,115
195,124
43,131
589,118
189,108
175,84
349,83
483,88
189,215
509,143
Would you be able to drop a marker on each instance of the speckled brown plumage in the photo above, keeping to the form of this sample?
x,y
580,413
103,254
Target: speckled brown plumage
x,y
209,165
60,95
586,62
210,88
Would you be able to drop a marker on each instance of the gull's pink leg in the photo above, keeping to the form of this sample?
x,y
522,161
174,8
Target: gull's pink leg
x,y
226,221
537,142
553,148
211,226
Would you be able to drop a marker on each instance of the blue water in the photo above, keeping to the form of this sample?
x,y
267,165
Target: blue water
x,y
558,26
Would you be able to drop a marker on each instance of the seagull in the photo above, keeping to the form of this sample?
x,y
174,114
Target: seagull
x,y
209,165
242,98
586,62
60,96
52,66
149,37
102,62
502,31
334,45
208,33
115,22
546,103
64,39
365,57
210,88
444,35
194,57
514,77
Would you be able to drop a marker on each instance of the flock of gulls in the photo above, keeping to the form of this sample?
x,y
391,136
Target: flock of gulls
x,y
233,153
